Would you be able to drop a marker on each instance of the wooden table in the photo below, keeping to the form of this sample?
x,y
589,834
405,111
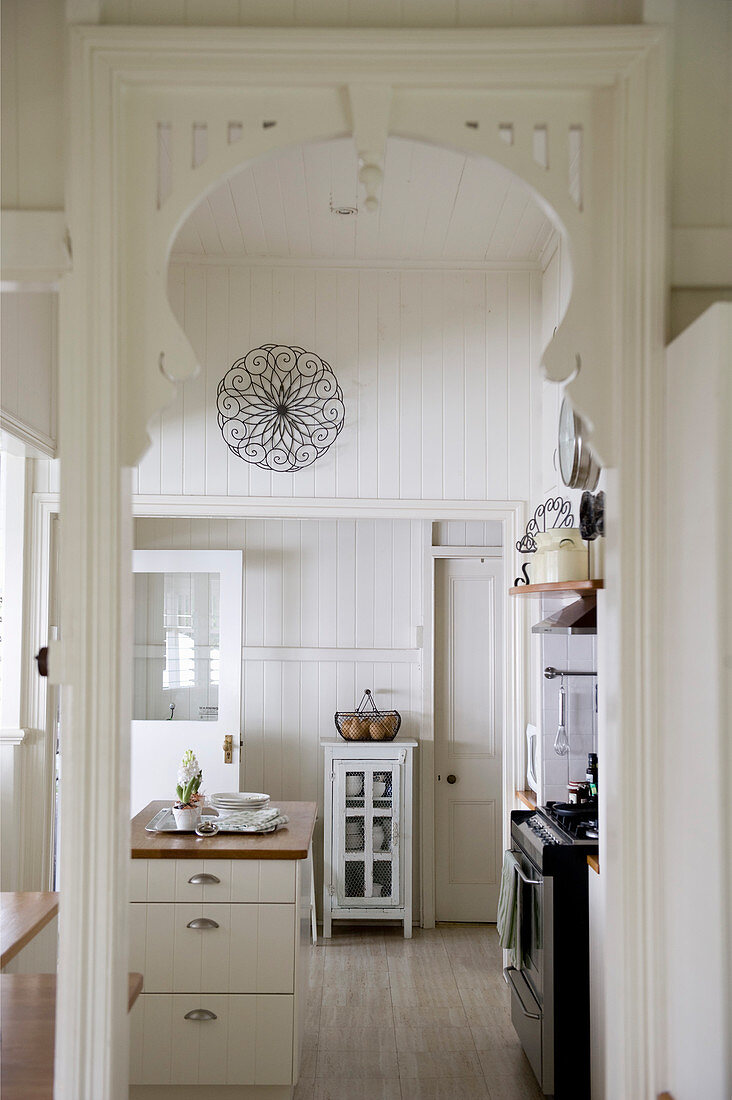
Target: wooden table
x,y
22,916
28,1004
291,841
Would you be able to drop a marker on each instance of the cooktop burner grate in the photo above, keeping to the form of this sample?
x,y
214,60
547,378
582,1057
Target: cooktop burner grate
x,y
579,822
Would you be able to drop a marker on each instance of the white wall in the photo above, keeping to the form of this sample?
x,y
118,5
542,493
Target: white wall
x,y
695,772
28,343
556,286
330,608
578,653
435,366
701,192
371,13
32,104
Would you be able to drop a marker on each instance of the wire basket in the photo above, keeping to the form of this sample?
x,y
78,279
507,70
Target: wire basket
x,y
367,722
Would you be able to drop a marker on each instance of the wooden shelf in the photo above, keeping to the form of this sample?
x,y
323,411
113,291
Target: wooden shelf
x,y
558,588
594,863
528,798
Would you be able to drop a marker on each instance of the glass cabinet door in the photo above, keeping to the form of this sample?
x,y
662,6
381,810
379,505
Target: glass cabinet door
x,y
366,833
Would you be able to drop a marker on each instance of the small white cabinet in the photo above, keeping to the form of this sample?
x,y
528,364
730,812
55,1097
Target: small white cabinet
x,y
368,831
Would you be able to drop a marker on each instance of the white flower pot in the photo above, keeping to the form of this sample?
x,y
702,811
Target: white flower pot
x,y
187,817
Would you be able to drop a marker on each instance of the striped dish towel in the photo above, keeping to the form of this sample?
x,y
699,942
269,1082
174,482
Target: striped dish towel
x,y
507,902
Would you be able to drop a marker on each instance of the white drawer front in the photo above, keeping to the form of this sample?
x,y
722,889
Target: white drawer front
x,y
252,949
248,1043
268,880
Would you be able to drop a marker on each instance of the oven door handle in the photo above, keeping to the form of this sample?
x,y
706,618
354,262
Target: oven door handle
x,y
529,882
521,875
508,972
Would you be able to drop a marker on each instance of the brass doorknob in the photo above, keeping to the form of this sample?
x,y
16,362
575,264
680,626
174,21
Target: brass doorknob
x,y
452,779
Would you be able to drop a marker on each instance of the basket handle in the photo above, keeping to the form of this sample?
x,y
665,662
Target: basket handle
x,y
366,698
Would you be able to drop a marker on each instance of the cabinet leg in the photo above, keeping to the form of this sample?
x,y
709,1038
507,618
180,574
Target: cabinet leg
x,y
326,923
407,928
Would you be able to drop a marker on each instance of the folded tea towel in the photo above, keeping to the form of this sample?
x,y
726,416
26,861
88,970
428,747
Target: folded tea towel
x,y
251,821
507,905
253,818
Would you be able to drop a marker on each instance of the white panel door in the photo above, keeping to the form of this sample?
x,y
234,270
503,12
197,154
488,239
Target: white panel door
x,y
186,669
468,737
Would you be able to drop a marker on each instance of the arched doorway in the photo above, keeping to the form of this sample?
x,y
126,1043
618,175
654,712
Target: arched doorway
x,y
427,308
459,92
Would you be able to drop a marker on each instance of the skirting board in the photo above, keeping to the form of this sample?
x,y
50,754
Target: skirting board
x,y
211,1092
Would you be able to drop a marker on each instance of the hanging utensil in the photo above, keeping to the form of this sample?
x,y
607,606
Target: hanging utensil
x,y
561,741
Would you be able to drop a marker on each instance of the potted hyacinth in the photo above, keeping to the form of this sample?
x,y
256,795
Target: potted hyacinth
x,y
187,809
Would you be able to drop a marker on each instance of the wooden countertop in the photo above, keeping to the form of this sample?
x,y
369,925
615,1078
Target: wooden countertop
x,y
28,1003
291,841
527,797
22,916
594,863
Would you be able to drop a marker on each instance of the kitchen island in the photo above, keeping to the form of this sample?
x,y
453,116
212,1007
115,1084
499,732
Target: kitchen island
x,y
219,928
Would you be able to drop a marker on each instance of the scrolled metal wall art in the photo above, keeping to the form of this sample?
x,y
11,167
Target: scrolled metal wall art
x,y
556,510
280,407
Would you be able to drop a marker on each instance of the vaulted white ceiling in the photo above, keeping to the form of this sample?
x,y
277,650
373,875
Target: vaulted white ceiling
x,y
436,205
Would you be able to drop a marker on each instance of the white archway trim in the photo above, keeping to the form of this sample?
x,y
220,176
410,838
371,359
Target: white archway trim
x,y
226,507
116,322
266,89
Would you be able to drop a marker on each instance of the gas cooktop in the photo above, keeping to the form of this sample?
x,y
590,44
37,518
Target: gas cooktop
x,y
578,821
553,837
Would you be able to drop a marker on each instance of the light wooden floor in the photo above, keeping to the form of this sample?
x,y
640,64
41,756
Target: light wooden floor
x,y
419,1019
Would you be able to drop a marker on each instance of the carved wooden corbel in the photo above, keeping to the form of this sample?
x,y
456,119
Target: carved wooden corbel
x,y
370,106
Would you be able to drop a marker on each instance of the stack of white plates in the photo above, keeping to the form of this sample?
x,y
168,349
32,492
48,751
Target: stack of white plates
x,y
236,801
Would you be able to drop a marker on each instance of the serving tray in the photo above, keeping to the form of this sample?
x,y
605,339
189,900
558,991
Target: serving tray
x,y
164,822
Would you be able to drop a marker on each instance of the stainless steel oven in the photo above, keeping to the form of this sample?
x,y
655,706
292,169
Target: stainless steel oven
x,y
530,983
549,980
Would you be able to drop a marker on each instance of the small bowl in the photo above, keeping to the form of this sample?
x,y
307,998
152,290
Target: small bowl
x,y
379,789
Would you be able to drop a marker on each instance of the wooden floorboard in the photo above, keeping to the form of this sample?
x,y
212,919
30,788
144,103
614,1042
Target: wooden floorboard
x,y
420,1019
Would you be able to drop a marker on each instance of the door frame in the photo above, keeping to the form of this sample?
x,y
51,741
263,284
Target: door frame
x,y
121,350
516,655
511,515
514,671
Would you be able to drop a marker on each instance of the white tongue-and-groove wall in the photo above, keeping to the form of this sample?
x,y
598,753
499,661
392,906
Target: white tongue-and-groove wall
x,y
435,366
330,608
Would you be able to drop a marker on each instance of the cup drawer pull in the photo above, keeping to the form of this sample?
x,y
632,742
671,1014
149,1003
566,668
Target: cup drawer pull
x,y
202,922
204,880
200,1014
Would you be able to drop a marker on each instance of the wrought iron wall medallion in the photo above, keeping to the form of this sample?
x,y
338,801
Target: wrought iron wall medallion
x,y
280,407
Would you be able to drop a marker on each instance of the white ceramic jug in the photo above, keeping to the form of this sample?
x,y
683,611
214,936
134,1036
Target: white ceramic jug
x,y
561,556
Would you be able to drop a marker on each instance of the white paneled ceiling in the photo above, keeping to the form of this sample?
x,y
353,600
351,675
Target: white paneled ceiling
x,y
436,205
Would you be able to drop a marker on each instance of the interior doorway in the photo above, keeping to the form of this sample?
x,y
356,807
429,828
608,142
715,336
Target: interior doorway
x,y
469,640
621,80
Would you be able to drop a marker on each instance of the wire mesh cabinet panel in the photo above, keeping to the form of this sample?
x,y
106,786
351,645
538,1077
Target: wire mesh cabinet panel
x,y
368,831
